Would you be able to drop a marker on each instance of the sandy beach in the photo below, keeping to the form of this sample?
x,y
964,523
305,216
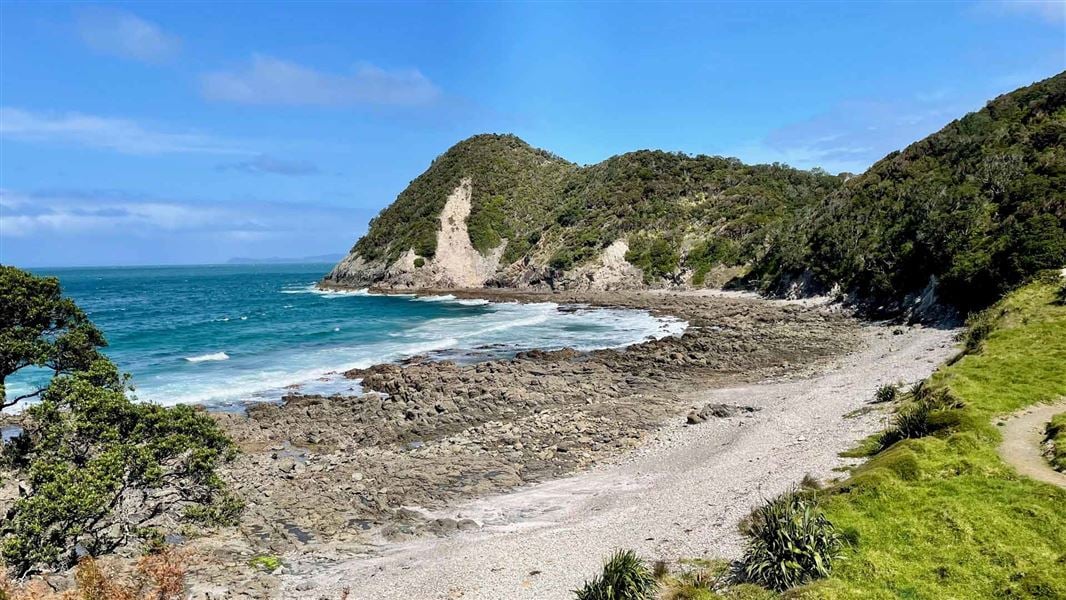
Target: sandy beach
x,y
513,478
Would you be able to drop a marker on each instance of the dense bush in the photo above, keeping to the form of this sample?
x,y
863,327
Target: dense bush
x,y
979,206
625,577
790,542
654,255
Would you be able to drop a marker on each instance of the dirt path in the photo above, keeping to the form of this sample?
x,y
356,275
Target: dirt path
x,y
680,495
1022,436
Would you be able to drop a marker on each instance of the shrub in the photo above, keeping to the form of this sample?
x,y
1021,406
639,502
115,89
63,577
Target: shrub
x,y
790,543
886,393
1055,438
978,327
933,411
625,577
420,262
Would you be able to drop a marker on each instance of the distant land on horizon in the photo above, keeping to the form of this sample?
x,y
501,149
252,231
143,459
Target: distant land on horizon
x,y
278,260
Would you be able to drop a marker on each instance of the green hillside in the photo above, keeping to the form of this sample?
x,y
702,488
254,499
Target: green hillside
x,y
977,207
980,205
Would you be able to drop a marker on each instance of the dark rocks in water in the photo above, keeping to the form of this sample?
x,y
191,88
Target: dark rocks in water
x,y
717,411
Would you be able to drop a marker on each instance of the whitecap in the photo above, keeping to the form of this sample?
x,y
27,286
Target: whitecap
x,y
207,357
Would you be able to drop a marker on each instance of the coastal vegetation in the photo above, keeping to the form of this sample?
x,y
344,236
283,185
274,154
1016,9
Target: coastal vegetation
x,y
625,576
967,213
790,542
97,469
937,513
979,207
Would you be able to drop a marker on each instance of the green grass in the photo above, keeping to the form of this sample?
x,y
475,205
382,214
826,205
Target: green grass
x,y
1056,434
942,516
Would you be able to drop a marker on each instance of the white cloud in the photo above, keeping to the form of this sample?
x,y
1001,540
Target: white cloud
x,y
109,133
125,35
269,80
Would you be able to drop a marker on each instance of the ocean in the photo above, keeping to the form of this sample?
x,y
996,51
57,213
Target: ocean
x,y
227,335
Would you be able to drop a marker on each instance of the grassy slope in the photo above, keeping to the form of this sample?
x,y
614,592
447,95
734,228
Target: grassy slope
x,y
963,524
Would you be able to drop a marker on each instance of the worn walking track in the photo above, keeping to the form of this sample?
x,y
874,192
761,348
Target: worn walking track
x,y
681,495
1022,436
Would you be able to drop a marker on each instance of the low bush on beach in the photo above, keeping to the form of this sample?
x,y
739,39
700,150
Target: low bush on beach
x,y
930,412
886,393
790,542
625,577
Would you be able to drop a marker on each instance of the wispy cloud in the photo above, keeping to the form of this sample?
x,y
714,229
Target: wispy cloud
x,y
1050,11
23,215
264,164
854,134
109,133
27,214
119,33
268,80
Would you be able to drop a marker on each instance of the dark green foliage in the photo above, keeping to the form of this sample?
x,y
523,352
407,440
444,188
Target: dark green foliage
x,y
625,577
100,468
655,255
1060,296
709,253
790,542
420,262
40,328
886,393
720,202
980,206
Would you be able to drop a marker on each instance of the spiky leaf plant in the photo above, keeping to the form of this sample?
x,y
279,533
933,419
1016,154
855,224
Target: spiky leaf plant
x,y
790,543
625,577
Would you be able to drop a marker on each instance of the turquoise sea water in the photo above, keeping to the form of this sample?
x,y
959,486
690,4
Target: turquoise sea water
x,y
224,335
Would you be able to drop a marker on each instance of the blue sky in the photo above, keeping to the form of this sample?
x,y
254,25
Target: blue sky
x,y
190,132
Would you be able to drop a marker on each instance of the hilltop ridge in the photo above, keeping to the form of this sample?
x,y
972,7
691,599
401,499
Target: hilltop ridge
x,y
958,217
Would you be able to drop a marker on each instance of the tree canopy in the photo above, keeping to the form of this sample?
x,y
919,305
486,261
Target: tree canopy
x,y
41,328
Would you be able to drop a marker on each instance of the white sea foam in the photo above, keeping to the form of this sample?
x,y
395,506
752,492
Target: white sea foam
x,y
500,327
208,357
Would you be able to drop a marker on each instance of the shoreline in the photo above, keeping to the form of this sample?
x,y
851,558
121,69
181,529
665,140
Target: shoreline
x,y
677,496
331,478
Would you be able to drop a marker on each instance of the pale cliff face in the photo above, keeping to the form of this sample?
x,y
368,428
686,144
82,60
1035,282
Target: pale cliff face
x,y
457,264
